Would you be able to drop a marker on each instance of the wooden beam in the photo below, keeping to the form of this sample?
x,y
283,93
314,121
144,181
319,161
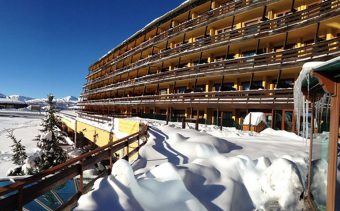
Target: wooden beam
x,y
197,119
316,38
222,81
264,13
327,85
333,149
310,151
292,6
221,121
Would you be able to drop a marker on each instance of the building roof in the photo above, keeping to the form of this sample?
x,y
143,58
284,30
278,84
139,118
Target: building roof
x,y
329,69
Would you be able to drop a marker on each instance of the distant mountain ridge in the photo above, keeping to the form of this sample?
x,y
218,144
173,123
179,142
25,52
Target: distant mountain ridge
x,y
62,103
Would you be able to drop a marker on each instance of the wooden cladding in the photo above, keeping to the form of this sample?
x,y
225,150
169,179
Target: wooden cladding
x,y
260,29
273,60
262,98
209,16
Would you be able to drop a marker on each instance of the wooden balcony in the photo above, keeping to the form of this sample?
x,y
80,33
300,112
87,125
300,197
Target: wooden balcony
x,y
278,98
312,14
274,60
224,10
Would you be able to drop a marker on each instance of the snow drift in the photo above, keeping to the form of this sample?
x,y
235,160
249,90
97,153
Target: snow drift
x,y
188,170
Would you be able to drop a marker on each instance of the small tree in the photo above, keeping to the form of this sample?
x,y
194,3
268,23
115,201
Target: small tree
x,y
19,153
51,153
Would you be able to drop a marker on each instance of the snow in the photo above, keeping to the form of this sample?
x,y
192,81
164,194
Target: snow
x,y
10,101
184,169
19,98
300,102
256,118
24,129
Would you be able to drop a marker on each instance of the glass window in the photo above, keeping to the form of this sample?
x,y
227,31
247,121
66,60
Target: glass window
x,y
319,167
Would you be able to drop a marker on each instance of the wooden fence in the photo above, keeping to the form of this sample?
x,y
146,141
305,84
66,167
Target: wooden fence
x,y
16,195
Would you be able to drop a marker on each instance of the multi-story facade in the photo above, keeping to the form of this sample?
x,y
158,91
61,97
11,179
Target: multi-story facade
x,y
215,60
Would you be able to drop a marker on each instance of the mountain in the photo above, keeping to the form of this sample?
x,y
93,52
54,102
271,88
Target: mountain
x,y
19,98
70,98
60,103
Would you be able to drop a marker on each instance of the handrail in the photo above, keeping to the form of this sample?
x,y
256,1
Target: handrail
x,y
223,97
220,12
27,189
260,29
252,62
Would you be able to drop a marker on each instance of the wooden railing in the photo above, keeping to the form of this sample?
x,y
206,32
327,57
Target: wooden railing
x,y
16,195
207,17
262,28
290,57
238,98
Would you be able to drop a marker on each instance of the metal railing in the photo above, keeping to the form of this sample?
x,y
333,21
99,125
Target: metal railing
x,y
259,97
16,195
289,57
207,17
262,28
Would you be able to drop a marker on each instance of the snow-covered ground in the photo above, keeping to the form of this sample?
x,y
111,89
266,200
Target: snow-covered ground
x,y
24,129
184,169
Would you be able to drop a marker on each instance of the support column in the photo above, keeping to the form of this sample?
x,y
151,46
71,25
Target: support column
x,y
332,149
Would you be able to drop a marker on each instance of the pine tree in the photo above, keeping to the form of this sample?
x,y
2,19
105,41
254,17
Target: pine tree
x,y
51,153
19,153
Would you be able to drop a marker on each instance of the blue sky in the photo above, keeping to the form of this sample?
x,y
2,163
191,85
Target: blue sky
x,y
46,46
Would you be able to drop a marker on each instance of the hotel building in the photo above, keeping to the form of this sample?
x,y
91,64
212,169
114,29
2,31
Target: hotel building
x,y
215,61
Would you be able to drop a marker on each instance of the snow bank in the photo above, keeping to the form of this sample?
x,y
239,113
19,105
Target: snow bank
x,y
189,170
256,118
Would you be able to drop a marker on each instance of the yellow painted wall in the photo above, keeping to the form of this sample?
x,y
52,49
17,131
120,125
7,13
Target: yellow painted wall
x,y
128,126
98,136
68,123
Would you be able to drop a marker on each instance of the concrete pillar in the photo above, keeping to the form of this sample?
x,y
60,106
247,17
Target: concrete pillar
x,y
171,67
208,86
270,14
213,5
236,84
212,32
194,15
329,34
264,82
211,58
174,23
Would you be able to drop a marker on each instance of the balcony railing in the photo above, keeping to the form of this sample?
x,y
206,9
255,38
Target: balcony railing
x,y
209,16
16,195
290,57
253,97
260,29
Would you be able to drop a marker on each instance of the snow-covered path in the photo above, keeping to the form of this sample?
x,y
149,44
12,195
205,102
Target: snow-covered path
x,y
206,170
24,129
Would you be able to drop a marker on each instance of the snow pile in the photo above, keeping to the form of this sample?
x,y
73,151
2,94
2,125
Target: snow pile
x,y
319,184
189,170
255,117
281,133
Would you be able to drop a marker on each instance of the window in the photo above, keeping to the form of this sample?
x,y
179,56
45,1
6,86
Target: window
x,y
256,85
199,88
245,85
